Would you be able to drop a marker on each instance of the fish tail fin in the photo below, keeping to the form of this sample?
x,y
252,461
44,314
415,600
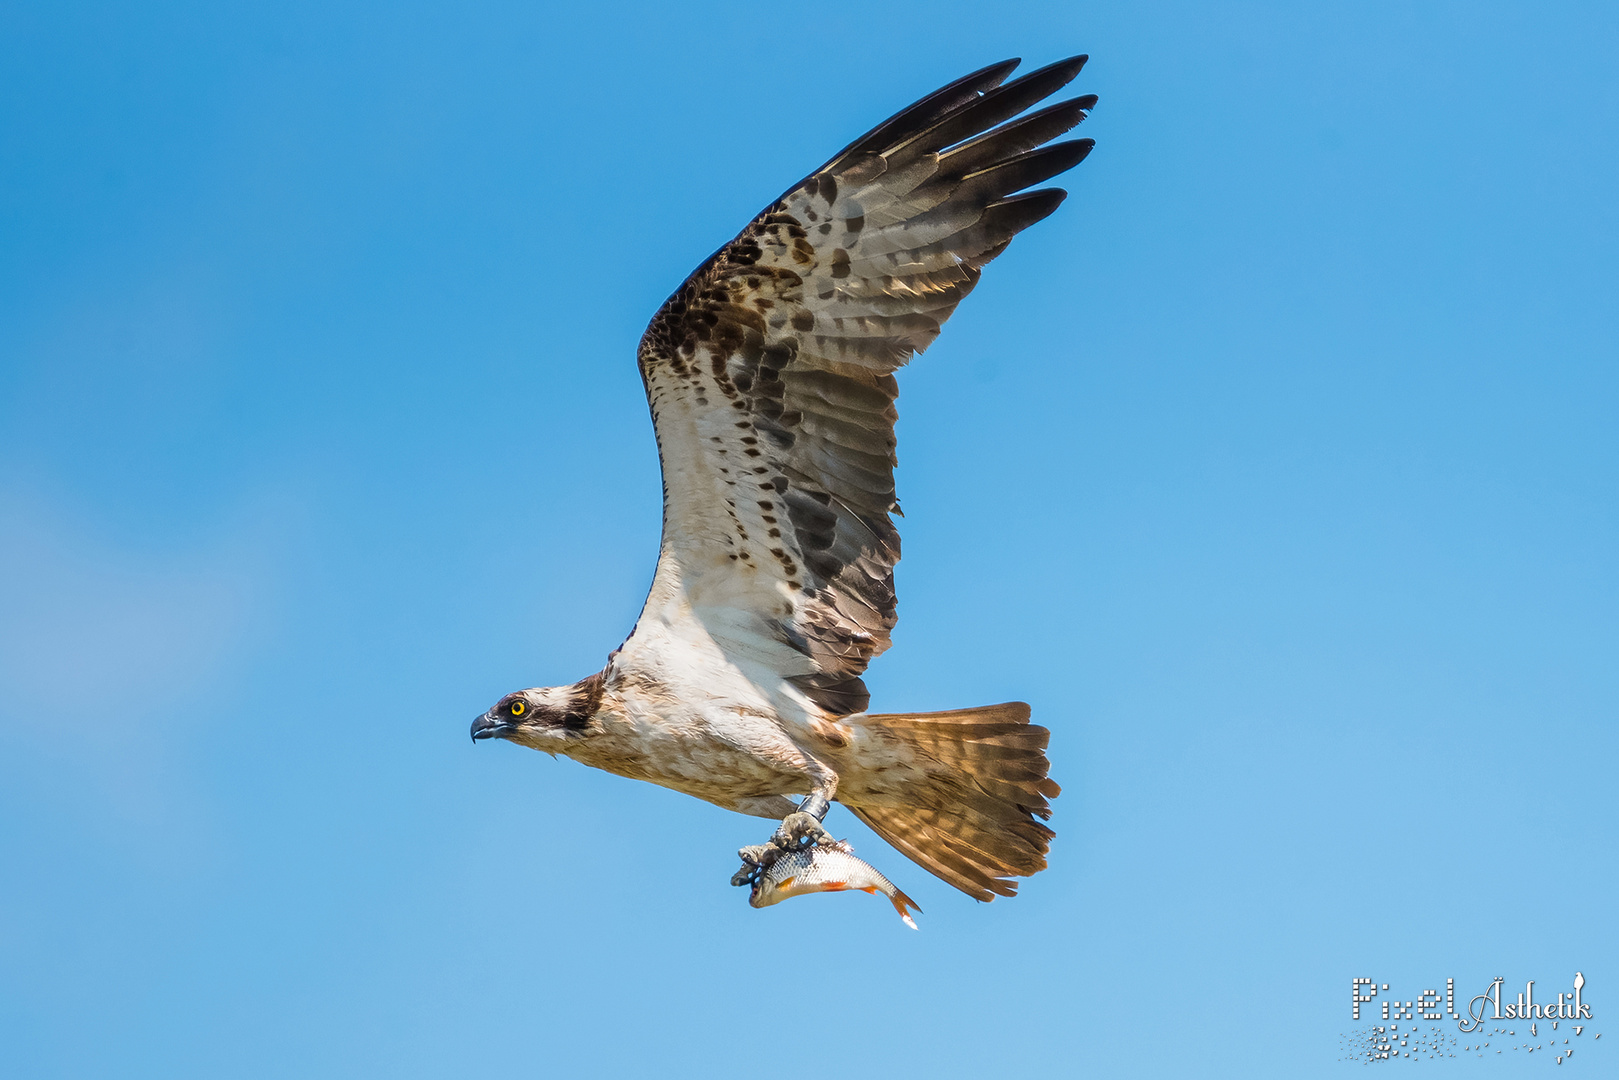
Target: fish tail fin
x,y
974,784
900,902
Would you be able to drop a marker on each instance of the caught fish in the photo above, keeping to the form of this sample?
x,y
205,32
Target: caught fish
x,y
825,868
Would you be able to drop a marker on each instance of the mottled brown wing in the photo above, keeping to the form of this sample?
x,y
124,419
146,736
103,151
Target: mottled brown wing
x,y
770,372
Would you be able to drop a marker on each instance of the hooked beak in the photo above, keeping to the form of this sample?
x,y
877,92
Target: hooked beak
x,y
487,727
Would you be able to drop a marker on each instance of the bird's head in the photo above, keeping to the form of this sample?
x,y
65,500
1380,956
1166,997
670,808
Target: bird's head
x,y
543,717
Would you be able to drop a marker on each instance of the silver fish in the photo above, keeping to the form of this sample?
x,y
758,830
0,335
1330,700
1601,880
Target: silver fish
x,y
825,868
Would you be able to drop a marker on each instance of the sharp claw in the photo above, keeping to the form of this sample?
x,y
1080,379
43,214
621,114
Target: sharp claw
x,y
799,831
797,828
756,859
760,855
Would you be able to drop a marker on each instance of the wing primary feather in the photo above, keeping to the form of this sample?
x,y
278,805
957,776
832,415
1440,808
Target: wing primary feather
x,y
1024,133
997,105
927,111
1024,170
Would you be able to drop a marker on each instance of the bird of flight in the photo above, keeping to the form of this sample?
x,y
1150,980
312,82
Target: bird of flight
x,y
770,374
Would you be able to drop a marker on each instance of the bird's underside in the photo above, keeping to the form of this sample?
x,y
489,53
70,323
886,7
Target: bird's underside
x,y
770,375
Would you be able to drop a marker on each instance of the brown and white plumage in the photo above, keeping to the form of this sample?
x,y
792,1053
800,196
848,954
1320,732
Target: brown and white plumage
x,y
770,371
770,376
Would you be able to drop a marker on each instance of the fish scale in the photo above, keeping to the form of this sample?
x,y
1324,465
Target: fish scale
x,y
826,868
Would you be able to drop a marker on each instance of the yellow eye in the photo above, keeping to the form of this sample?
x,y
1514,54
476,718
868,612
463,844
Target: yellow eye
x,y
518,708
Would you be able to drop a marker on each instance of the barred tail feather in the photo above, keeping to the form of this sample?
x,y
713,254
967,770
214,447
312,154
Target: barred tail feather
x,y
967,811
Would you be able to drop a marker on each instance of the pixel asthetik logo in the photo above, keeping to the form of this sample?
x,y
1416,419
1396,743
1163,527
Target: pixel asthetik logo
x,y
1490,1024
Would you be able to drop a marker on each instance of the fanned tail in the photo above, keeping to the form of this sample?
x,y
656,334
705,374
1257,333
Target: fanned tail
x,y
974,784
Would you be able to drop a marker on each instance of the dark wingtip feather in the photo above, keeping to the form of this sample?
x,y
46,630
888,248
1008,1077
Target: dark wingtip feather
x,y
974,118
1028,207
1025,170
1049,79
1069,67
1003,69
929,109
1005,143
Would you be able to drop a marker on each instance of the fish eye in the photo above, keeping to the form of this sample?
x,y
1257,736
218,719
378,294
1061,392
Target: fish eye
x,y
518,707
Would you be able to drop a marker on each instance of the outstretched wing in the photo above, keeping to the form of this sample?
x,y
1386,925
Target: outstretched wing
x,y
770,373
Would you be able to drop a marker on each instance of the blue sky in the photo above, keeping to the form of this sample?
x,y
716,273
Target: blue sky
x,y
1278,470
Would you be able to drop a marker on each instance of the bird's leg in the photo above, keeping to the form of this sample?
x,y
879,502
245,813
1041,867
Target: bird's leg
x,y
804,824
798,830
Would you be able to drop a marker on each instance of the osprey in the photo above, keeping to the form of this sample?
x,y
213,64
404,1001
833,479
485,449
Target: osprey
x,y
770,374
